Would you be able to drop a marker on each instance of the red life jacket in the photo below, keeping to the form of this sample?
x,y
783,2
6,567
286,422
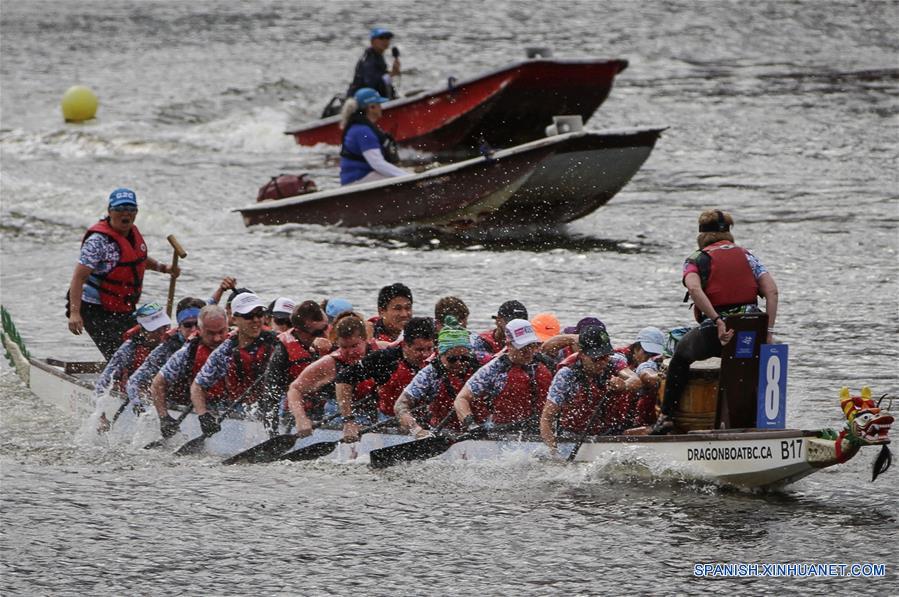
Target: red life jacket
x,y
592,389
246,365
299,357
523,395
380,331
638,407
494,346
443,402
389,391
199,353
142,349
730,281
120,289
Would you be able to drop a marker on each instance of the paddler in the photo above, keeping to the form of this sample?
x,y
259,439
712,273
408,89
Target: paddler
x,y
108,278
511,388
643,358
439,382
280,310
722,279
310,394
297,348
172,383
394,312
186,313
493,341
391,369
591,381
371,69
238,362
368,153
152,325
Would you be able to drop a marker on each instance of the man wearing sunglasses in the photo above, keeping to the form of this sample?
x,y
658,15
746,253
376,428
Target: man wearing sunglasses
x,y
302,344
391,368
593,378
186,313
238,362
108,278
371,70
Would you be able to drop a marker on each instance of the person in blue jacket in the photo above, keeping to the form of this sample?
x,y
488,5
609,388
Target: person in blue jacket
x,y
368,153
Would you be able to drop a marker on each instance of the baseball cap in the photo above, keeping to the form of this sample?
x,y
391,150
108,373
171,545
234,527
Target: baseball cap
x,y
380,32
122,197
151,317
511,310
584,324
246,302
336,306
367,96
546,325
594,342
235,293
520,333
283,307
652,340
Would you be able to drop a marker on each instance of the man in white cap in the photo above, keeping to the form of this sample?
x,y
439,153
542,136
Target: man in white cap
x,y
509,389
238,362
281,310
140,340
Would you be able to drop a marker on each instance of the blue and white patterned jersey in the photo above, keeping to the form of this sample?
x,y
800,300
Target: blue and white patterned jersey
x,y
101,254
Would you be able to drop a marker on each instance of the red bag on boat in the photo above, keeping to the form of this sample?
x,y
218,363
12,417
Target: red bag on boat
x,y
286,185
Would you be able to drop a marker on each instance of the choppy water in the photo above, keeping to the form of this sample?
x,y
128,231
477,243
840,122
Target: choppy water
x,y
783,113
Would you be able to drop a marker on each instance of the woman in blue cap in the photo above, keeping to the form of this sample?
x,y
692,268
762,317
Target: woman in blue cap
x,y
368,153
371,70
109,275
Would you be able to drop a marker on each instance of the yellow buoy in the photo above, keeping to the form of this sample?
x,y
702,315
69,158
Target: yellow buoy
x,y
79,103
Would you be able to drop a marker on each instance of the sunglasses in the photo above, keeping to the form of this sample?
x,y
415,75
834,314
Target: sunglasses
x,y
457,358
253,315
320,333
282,321
124,208
384,37
189,324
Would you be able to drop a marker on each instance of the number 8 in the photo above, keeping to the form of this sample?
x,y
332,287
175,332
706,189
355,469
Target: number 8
x,y
772,389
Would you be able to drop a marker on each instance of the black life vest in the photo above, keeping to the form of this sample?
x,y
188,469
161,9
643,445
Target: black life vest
x,y
388,144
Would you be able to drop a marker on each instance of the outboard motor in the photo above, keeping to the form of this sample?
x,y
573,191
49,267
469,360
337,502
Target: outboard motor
x,y
534,52
334,106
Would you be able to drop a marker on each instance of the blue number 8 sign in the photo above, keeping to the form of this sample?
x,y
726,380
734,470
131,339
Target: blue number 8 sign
x,y
772,392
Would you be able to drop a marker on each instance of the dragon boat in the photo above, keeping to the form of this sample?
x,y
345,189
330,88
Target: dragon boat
x,y
743,458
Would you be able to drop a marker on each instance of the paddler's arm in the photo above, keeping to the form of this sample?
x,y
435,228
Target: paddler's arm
x,y
547,422
557,343
312,378
402,407
462,403
198,398
158,389
162,268
702,302
344,394
227,283
768,290
630,381
76,287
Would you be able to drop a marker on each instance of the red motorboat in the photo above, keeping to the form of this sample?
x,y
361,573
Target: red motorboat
x,y
506,107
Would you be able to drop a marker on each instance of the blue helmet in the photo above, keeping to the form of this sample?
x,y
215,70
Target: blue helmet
x,y
367,96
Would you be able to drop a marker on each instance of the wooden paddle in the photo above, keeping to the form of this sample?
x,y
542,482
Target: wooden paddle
x,y
317,450
580,441
196,444
178,252
272,448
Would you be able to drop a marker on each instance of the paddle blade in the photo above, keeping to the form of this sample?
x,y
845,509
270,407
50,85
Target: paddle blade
x,y
310,452
194,446
267,451
421,449
153,445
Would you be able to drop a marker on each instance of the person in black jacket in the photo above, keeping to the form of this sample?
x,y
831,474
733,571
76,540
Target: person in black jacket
x,y
371,70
